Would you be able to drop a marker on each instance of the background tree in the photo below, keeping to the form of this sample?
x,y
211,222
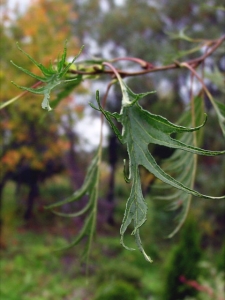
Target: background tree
x,y
32,149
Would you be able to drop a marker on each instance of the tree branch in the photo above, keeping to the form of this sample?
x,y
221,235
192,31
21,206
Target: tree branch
x,y
149,67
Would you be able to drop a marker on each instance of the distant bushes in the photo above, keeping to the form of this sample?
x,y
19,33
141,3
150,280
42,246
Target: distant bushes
x,y
183,264
221,259
117,290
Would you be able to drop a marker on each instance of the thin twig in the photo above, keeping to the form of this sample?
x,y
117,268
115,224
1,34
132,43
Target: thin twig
x,y
193,62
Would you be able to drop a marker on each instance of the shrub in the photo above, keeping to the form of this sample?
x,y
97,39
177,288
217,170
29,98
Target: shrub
x,y
183,264
118,290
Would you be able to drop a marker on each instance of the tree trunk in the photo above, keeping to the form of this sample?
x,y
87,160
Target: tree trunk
x,y
33,193
113,156
2,185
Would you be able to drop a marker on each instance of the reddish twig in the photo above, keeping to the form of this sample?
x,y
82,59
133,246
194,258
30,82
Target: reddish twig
x,y
194,63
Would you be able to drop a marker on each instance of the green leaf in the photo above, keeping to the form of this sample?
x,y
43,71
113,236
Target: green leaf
x,y
220,111
181,35
65,91
141,128
90,187
53,76
183,167
218,79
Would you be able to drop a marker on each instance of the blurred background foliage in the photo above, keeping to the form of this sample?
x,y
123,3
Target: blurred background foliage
x,y
44,156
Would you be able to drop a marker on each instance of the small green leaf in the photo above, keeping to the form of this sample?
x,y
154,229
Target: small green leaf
x,y
45,102
53,76
181,35
40,78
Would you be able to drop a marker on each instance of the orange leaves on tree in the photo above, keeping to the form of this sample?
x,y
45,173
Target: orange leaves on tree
x,y
49,26
32,138
10,160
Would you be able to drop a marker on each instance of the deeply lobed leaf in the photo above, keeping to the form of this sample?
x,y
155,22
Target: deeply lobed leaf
x,y
53,76
141,128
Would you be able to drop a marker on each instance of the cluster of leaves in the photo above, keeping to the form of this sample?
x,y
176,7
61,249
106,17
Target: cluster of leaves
x,y
140,128
182,165
90,187
53,76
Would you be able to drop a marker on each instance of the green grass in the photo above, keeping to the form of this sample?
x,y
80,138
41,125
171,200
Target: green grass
x,y
31,268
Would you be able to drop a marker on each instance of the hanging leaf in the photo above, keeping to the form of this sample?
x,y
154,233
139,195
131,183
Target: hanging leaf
x,y
141,128
220,111
53,76
182,165
218,106
217,78
90,187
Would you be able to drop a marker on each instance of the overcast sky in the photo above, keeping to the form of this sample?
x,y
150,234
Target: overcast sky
x,y
21,4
